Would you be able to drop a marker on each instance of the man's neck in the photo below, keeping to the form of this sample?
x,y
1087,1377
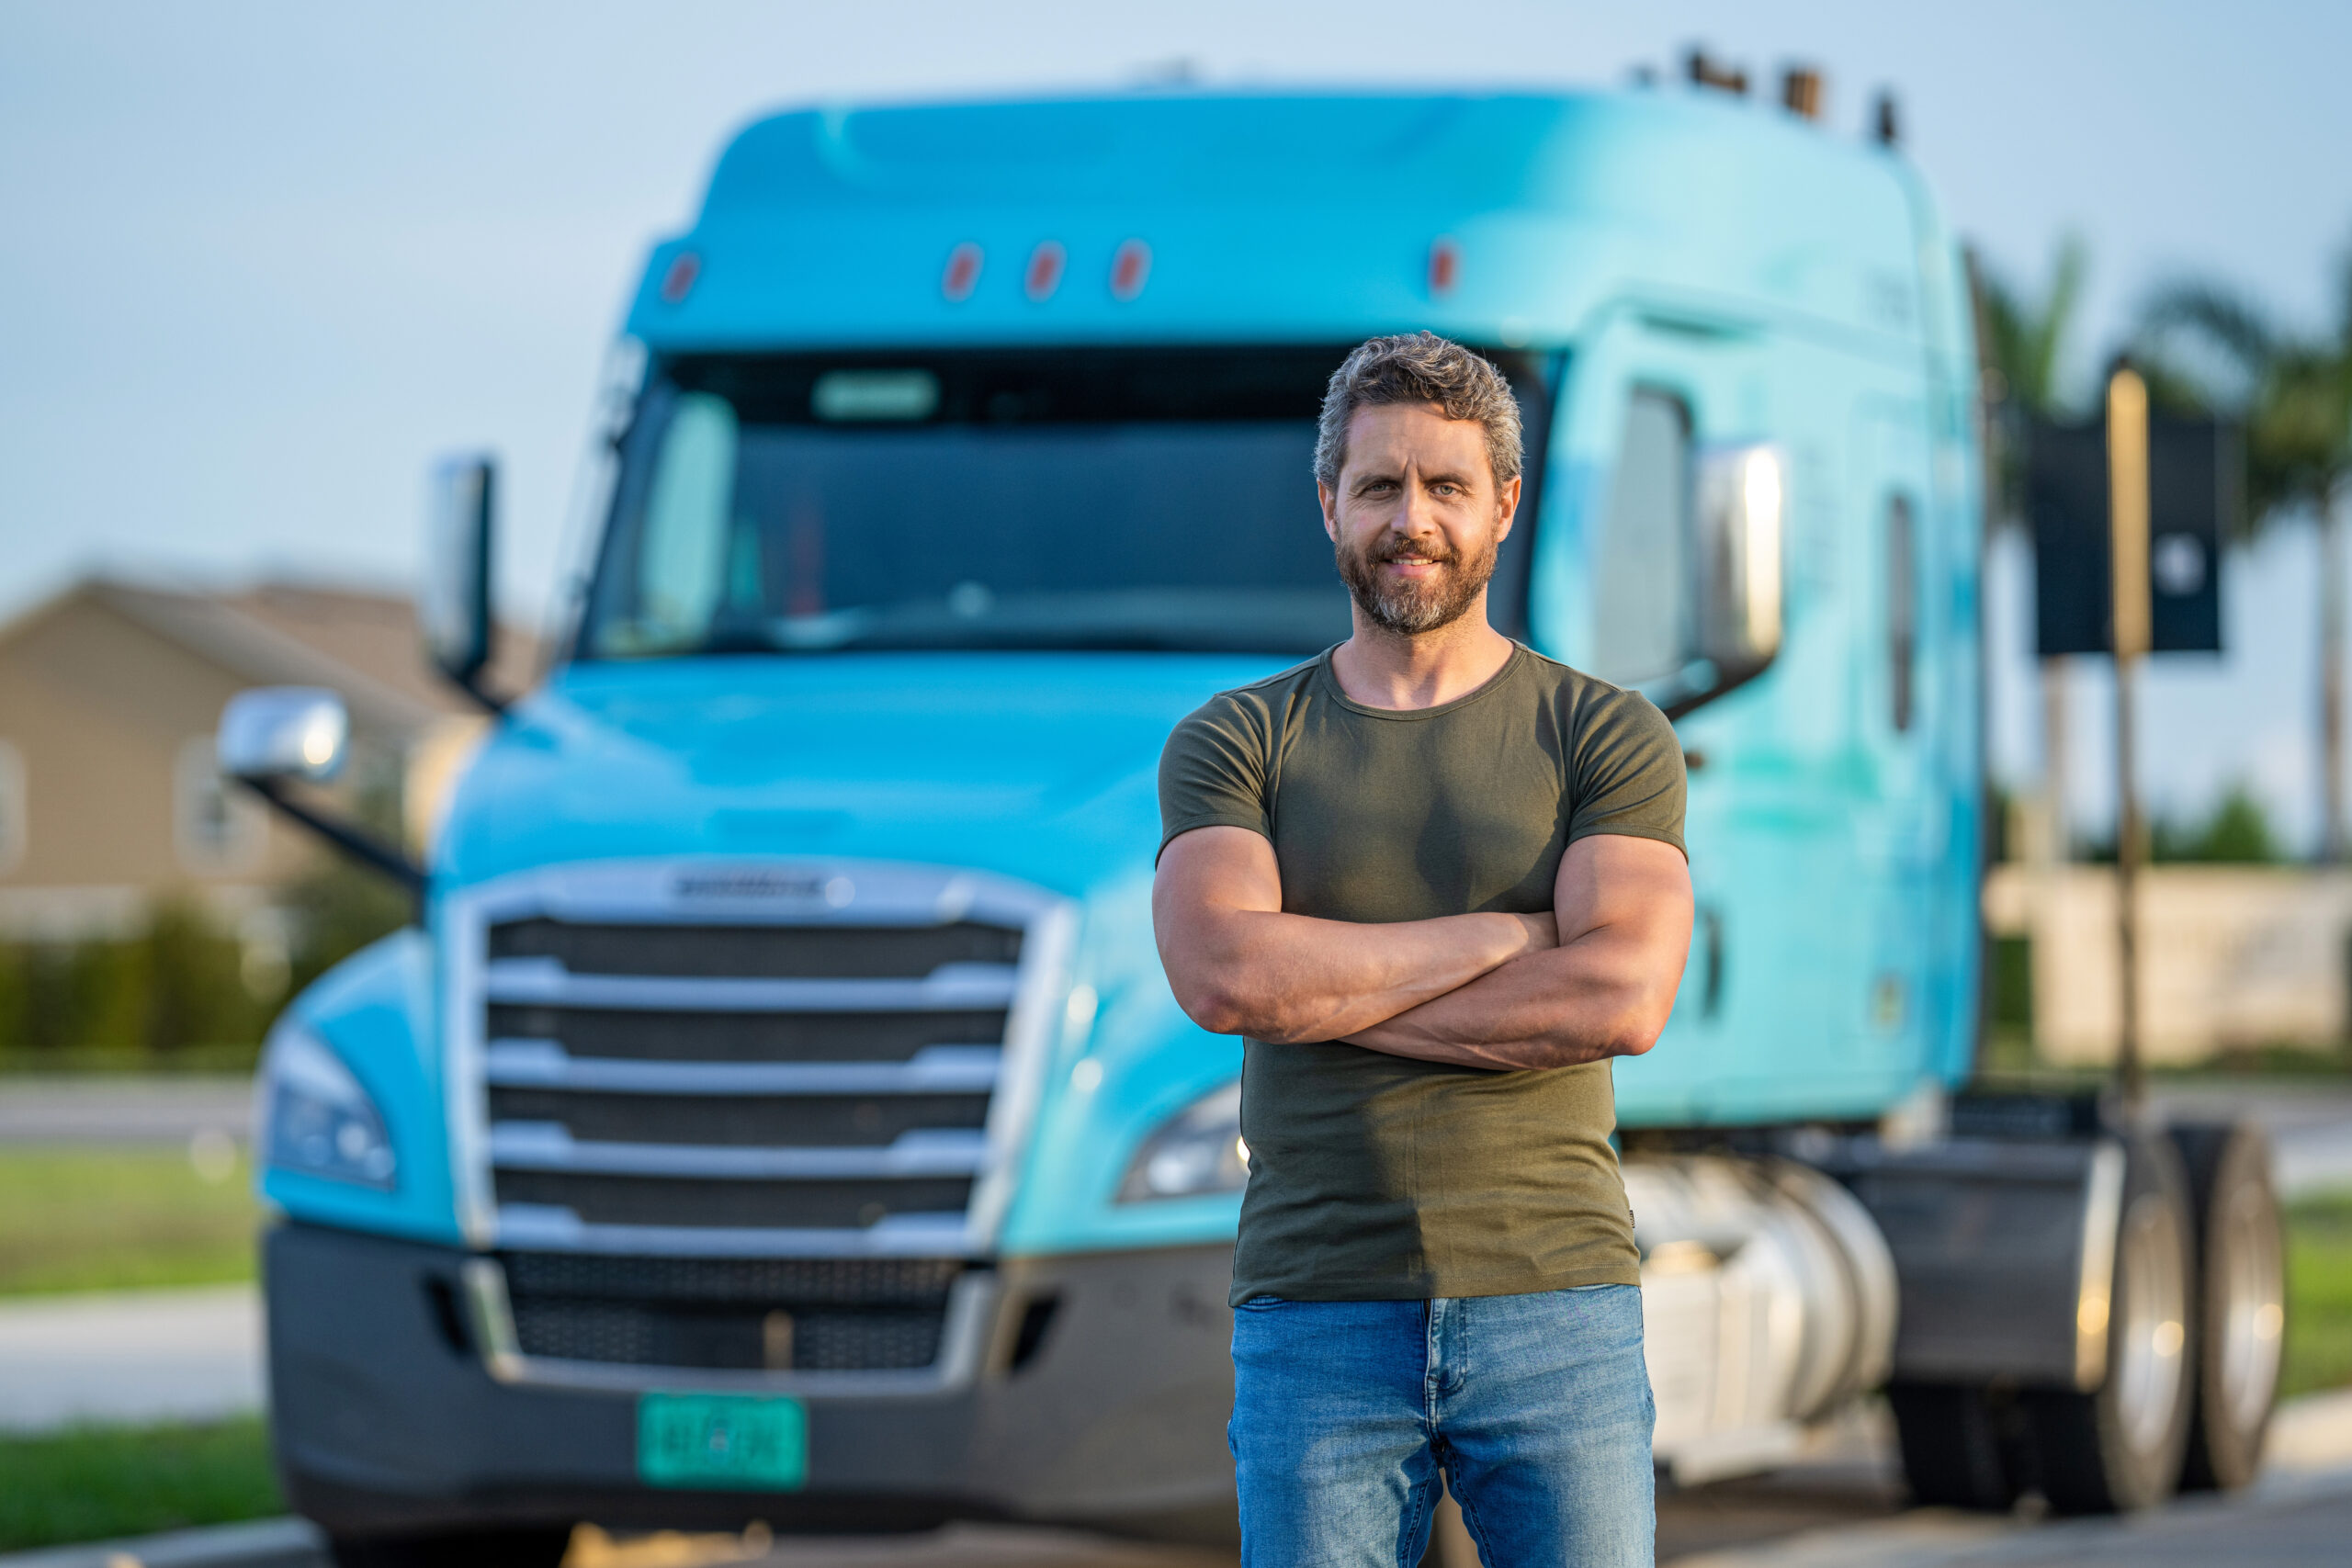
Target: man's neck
x,y
1382,669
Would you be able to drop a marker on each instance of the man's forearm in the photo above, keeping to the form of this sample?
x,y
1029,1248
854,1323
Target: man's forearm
x,y
1583,1002
1285,977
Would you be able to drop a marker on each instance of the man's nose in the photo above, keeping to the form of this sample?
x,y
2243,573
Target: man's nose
x,y
1418,516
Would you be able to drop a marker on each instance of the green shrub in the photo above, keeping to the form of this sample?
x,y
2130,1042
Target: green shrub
x,y
181,989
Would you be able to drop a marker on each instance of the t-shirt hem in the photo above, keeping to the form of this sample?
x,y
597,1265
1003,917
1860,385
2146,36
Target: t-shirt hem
x,y
1624,831
1394,1289
1215,819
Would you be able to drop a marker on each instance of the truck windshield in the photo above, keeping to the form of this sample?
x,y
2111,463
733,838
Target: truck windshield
x,y
1098,499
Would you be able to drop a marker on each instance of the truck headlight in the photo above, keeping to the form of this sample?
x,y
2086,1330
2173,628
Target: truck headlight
x,y
313,1115
1197,1150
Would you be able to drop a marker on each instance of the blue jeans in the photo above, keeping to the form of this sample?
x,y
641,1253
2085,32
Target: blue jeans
x,y
1537,1407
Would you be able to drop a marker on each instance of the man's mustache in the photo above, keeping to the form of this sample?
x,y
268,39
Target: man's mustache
x,y
1435,550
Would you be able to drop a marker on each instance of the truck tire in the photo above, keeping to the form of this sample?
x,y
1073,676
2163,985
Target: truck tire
x,y
1954,1453
2241,1300
540,1548
2118,1449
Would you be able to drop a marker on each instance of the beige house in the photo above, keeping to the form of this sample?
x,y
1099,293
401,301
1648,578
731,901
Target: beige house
x,y
109,694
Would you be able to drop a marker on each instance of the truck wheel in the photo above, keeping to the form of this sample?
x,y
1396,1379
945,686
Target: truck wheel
x,y
2119,1448
2241,1303
1953,1452
542,1548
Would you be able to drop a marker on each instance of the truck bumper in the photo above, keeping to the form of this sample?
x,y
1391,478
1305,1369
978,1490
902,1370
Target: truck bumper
x,y
387,1420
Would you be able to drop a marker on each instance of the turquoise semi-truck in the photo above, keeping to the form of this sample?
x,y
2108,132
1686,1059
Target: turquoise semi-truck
x,y
777,1111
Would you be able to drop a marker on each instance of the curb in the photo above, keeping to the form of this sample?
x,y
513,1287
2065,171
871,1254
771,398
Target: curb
x,y
263,1543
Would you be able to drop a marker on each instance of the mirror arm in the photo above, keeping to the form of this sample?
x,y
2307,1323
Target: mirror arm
x,y
1682,702
491,702
357,842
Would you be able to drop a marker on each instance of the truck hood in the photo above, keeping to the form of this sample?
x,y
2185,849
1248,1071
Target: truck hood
x,y
1037,766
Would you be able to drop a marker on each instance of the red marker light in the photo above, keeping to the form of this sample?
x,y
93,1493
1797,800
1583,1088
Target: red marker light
x,y
1045,274
1130,269
1445,266
963,273
679,281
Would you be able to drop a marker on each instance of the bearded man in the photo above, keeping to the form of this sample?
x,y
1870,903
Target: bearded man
x,y
1436,881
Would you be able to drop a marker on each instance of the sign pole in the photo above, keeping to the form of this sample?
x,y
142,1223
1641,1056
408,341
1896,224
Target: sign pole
x,y
2127,466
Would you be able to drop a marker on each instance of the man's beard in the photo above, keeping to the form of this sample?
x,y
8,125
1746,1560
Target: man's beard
x,y
1410,608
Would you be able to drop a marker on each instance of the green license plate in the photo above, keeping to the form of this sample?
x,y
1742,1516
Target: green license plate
x,y
726,1441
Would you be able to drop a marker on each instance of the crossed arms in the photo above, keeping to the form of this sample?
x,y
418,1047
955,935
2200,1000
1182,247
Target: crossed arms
x,y
1593,979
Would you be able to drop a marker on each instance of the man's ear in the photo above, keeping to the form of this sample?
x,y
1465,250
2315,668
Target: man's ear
x,y
1330,499
1507,506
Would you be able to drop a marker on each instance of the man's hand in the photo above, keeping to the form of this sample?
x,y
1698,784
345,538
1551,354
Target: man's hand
x,y
1239,965
1605,991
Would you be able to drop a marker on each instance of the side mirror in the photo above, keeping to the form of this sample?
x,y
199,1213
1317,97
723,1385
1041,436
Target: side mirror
x,y
1741,490
453,607
275,736
284,732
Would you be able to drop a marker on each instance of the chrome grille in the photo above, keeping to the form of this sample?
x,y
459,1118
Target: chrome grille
x,y
783,1061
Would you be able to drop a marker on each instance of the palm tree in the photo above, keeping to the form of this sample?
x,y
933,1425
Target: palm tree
x,y
2023,341
2024,338
2212,346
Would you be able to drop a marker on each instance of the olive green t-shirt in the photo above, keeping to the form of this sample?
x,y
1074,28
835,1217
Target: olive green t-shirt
x,y
1374,1177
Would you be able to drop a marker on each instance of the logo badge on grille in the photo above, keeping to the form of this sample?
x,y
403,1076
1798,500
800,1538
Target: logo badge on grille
x,y
752,882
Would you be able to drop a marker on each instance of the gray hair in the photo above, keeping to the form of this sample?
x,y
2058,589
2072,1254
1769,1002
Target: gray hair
x,y
1418,367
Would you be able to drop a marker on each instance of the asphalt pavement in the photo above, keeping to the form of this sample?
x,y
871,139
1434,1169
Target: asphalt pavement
x,y
131,1357
123,1109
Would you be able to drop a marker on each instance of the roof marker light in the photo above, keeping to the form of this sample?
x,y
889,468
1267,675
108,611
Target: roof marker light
x,y
1445,266
678,280
1130,269
963,273
1045,274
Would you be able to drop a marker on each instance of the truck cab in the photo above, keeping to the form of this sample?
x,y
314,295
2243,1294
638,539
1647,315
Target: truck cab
x,y
778,1111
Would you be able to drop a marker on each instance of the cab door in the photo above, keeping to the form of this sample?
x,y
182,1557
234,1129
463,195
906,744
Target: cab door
x,y
1901,822
1616,593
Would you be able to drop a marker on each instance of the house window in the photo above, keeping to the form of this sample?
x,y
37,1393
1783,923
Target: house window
x,y
1642,627
12,808
218,830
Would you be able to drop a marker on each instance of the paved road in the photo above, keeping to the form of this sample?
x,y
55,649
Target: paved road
x,y
131,1357
122,1111
2309,1125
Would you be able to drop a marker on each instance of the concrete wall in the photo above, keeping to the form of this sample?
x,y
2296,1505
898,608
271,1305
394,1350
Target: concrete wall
x,y
2232,957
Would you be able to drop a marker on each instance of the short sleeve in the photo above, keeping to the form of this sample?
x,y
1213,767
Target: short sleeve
x,y
1217,771
1626,772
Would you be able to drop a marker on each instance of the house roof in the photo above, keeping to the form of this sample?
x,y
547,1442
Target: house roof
x,y
362,644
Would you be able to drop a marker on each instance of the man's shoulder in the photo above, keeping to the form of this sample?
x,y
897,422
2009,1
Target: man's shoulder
x,y
1578,688
1280,686
1263,699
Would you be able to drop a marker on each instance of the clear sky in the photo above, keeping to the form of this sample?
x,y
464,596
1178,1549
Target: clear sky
x,y
260,262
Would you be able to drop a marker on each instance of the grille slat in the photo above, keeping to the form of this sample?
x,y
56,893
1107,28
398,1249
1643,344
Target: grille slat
x,y
527,981
935,1069
805,1121
746,1037
692,1201
831,952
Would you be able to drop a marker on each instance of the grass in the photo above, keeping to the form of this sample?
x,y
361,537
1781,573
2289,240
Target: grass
x,y
2319,1295
84,1219
98,1483
105,1062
